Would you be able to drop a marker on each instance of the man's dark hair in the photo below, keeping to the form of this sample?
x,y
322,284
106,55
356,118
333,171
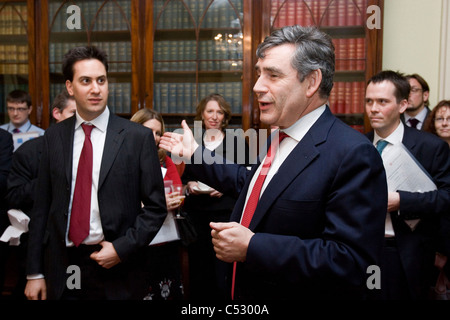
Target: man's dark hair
x,y
399,81
19,96
81,53
423,84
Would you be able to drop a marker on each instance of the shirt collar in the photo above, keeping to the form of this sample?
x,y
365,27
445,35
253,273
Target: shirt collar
x,y
101,122
298,130
420,116
24,128
394,138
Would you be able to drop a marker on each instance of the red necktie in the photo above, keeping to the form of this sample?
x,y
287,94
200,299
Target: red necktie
x,y
81,204
256,191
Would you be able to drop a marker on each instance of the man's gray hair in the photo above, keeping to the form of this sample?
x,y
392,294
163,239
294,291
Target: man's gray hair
x,y
314,50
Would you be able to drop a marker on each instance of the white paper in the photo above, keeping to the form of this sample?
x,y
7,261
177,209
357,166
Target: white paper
x,y
168,231
404,173
19,224
22,137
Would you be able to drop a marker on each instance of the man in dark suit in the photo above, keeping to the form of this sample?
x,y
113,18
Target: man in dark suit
x,y
319,221
127,204
408,261
418,102
22,181
6,151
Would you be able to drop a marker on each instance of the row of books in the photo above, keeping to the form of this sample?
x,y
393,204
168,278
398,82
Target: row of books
x,y
348,97
119,99
13,59
13,19
96,15
350,54
205,13
182,55
119,54
181,97
318,12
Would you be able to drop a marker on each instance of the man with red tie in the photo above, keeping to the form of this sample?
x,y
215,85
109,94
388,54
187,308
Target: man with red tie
x,y
318,222
100,196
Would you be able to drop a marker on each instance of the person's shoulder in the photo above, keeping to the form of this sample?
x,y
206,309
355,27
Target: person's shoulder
x,y
30,145
424,137
4,133
4,126
36,129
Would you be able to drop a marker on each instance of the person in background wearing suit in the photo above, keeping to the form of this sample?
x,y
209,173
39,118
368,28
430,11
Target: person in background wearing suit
x,y
319,221
6,152
418,102
438,123
22,180
164,265
106,233
18,104
407,267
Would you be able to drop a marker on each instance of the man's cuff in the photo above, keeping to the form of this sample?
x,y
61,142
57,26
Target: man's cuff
x,y
35,276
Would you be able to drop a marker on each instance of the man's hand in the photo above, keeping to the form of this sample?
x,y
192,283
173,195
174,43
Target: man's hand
x,y
107,257
230,241
36,289
181,147
393,201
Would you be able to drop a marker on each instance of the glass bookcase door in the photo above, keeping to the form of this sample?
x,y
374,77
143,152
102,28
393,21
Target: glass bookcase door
x,y
13,51
104,24
344,21
197,51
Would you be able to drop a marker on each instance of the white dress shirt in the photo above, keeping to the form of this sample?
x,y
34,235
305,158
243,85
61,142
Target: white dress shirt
x,y
296,132
394,138
98,136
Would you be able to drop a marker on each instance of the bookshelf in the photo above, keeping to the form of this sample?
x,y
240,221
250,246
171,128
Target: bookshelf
x,y
14,48
168,54
345,22
198,50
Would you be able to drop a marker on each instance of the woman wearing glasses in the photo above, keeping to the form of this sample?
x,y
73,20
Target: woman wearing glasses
x,y
438,121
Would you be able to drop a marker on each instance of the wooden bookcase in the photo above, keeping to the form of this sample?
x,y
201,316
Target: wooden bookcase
x,y
357,48
168,54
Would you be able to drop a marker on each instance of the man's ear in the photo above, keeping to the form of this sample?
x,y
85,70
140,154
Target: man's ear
x,y
426,95
314,80
56,114
403,105
69,87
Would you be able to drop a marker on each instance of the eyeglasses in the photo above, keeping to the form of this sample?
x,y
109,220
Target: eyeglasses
x,y
442,119
415,90
12,110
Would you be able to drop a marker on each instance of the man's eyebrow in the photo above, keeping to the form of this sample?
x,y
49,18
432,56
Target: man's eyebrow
x,y
269,69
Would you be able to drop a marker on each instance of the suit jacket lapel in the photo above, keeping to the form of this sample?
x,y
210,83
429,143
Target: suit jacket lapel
x,y
113,141
293,165
408,138
67,133
302,155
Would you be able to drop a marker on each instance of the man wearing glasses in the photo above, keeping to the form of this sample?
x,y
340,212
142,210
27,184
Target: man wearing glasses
x,y
18,104
418,102
19,108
